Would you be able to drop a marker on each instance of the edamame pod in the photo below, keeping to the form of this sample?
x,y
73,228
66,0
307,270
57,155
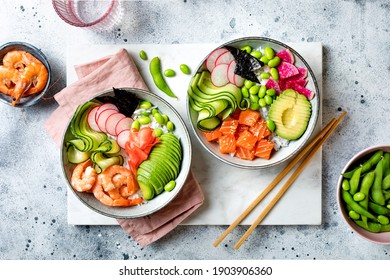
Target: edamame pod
x,y
347,197
386,182
371,226
379,209
376,190
386,164
158,78
355,180
376,157
367,182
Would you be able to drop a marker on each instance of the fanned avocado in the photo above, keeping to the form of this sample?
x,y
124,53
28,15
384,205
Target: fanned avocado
x,y
291,113
246,64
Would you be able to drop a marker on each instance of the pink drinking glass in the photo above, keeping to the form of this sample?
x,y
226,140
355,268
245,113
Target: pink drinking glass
x,y
97,15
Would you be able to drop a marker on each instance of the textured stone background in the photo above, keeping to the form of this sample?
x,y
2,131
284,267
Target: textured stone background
x,y
356,40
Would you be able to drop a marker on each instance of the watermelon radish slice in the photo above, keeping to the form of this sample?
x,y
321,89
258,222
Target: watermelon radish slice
x,y
210,61
287,70
291,83
302,72
123,138
219,75
271,83
102,118
286,56
302,90
112,121
123,124
91,119
104,107
224,58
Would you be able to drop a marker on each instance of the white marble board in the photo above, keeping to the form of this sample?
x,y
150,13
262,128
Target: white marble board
x,y
228,190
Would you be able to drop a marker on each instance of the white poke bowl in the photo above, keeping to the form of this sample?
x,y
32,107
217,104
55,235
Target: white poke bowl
x,y
159,201
284,153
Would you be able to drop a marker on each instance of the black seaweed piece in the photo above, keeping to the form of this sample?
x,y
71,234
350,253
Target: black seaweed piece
x,y
126,101
246,64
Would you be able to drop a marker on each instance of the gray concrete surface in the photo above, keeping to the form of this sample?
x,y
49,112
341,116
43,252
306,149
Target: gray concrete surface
x,y
356,40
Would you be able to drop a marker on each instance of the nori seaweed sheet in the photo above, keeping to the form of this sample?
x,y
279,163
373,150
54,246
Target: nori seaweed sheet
x,y
126,101
246,64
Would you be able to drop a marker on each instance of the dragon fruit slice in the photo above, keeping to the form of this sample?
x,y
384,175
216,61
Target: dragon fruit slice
x,y
271,83
287,70
286,56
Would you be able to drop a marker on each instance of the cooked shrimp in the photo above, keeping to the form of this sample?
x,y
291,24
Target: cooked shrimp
x,y
19,59
118,176
113,198
84,177
8,79
32,80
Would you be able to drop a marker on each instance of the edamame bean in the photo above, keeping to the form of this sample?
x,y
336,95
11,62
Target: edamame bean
x,y
359,196
254,98
271,92
256,54
347,197
353,215
268,99
386,182
354,182
274,62
166,118
262,102
345,185
274,74
245,92
143,55
383,220
144,120
376,190
248,49
264,59
265,75
269,53
170,126
154,111
262,91
254,106
170,186
248,84
159,118
254,89
169,73
157,132
136,125
185,69
270,124
145,105
158,78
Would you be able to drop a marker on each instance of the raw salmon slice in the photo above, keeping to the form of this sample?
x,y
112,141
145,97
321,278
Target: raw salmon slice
x,y
260,129
245,153
212,136
246,140
227,144
249,117
264,149
229,126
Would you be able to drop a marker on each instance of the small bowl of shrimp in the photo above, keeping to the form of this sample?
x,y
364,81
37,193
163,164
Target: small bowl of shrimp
x,y
126,153
24,74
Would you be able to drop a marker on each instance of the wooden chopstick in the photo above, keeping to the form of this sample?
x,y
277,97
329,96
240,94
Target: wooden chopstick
x,y
289,181
274,182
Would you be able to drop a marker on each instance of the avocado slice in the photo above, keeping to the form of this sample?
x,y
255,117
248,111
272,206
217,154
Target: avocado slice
x,y
291,113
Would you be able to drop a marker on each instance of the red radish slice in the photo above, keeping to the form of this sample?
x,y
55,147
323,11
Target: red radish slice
x,y
230,71
104,107
102,118
210,61
238,80
112,121
91,119
219,75
123,124
123,138
224,58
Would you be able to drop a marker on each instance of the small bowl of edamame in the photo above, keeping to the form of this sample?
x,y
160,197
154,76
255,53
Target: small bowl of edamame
x,y
363,193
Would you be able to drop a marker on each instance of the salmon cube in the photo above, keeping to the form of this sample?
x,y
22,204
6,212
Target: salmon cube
x,y
246,140
249,117
229,126
260,129
264,149
212,136
245,153
227,144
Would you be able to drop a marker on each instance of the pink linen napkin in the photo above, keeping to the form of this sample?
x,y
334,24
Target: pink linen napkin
x,y
119,70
